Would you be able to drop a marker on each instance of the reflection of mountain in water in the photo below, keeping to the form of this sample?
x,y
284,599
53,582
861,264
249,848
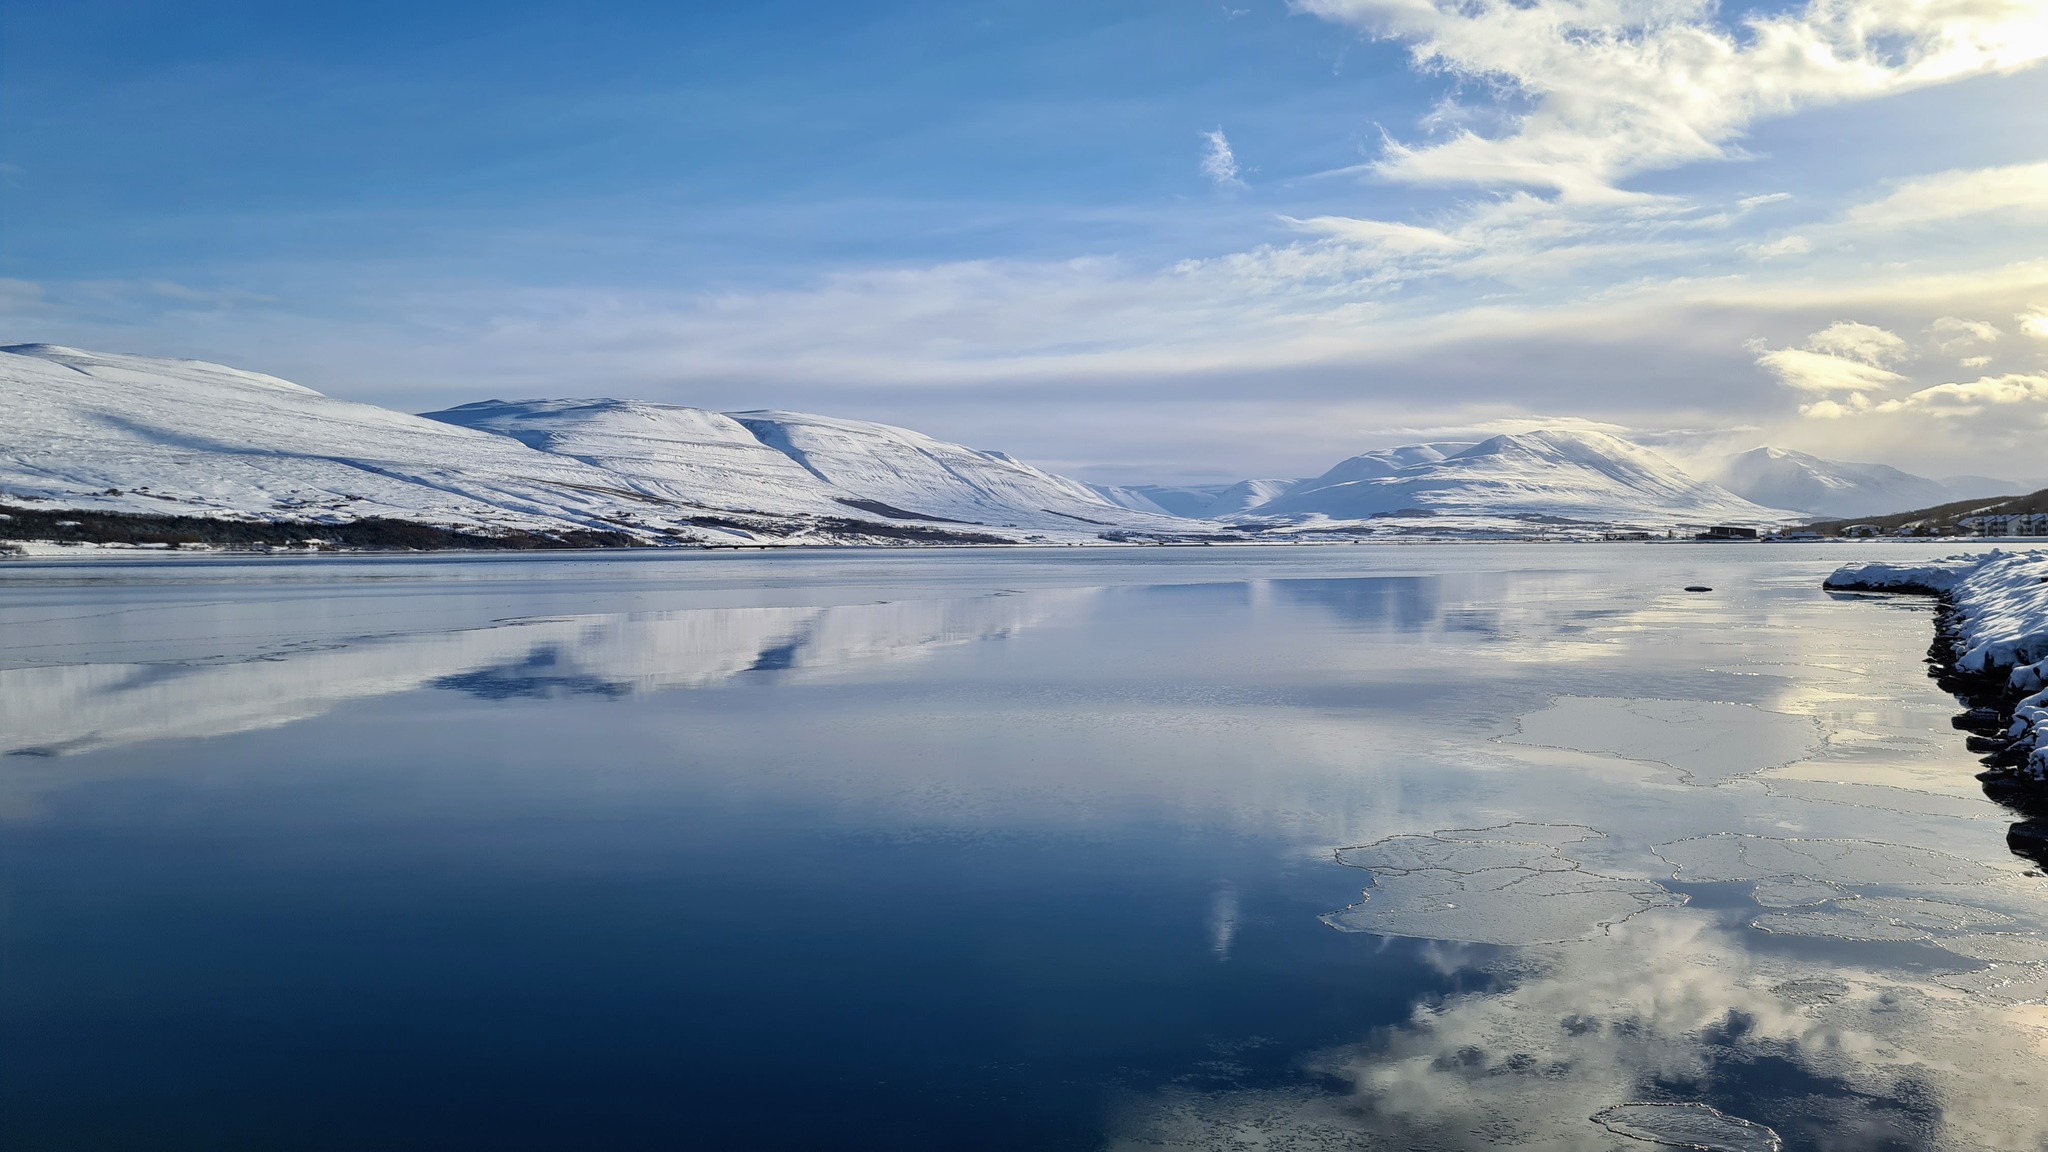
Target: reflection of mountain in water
x,y
55,710
1399,603
543,673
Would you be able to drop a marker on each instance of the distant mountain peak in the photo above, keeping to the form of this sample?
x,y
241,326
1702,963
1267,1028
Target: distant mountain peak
x,y
1788,478
1543,474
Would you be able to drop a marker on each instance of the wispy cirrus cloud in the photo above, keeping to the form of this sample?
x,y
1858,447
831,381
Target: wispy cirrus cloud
x,y
1219,162
1942,197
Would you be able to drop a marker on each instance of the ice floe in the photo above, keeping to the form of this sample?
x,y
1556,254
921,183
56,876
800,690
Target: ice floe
x,y
1504,885
1881,918
1688,1126
2016,983
1736,857
1708,742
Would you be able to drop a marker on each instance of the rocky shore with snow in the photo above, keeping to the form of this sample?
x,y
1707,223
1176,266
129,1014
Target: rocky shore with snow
x,y
1991,648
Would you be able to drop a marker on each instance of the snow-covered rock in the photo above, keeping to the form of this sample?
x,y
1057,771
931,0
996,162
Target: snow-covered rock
x,y
1782,478
1558,474
1997,624
1932,577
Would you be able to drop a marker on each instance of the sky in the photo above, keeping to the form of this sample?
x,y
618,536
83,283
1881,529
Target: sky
x,y
1131,240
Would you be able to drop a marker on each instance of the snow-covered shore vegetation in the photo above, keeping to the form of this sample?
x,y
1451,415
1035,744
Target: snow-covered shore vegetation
x,y
1995,625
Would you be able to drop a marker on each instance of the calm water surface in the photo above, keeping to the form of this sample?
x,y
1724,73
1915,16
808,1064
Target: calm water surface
x,y
1351,847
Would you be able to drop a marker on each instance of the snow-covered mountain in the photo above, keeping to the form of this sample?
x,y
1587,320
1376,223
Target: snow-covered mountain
x,y
897,472
1246,495
666,450
1197,501
180,437
1558,474
1384,462
788,463
137,434
1186,500
1836,488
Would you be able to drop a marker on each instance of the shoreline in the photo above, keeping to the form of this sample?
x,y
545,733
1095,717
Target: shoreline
x,y
1989,651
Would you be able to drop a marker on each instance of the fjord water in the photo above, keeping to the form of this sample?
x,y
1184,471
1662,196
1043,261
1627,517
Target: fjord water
x,y
1001,849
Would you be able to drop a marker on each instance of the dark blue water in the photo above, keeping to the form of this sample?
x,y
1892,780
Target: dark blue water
x,y
962,851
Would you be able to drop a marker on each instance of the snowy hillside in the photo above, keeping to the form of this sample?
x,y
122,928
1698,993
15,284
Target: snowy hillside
x,y
787,463
1197,501
1834,488
1573,475
1384,462
664,450
1246,495
131,434
899,473
135,434
140,434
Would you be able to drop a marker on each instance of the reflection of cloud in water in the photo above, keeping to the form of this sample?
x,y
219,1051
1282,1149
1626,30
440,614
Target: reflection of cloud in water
x,y
1666,1009
51,710
1709,742
1855,890
1504,885
1570,1044
1222,920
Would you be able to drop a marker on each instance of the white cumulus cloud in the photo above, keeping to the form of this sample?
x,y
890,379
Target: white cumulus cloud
x,y
1844,357
1955,334
1862,342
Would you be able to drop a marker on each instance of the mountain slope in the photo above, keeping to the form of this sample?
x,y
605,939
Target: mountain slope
x,y
895,471
1835,488
1553,474
666,450
788,463
1246,495
141,434
1190,501
1385,462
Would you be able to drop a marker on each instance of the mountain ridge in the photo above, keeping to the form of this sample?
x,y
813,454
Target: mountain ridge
x,y
1544,475
1821,487
132,435
127,435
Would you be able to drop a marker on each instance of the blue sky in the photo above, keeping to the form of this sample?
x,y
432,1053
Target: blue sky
x,y
1133,240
